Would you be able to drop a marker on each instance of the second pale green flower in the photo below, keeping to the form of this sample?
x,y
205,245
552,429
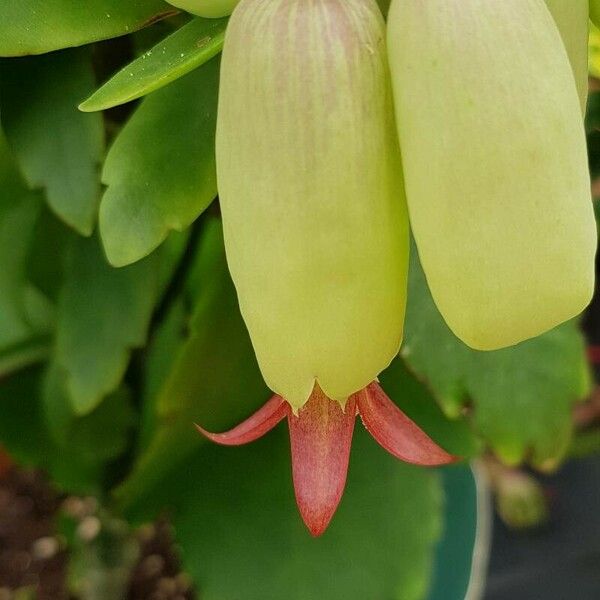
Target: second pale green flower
x,y
495,163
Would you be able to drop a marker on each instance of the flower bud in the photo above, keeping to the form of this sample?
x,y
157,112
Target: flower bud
x,y
311,192
206,8
495,165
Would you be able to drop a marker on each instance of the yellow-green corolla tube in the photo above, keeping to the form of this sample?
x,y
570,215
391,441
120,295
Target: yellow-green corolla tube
x,y
311,192
495,165
210,9
572,20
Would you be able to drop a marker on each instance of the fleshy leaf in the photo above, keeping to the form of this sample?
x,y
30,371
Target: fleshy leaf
x,y
183,51
46,259
162,349
32,350
254,427
379,545
76,465
395,432
103,313
212,378
320,438
160,171
206,8
22,429
59,148
19,209
520,398
33,27
97,437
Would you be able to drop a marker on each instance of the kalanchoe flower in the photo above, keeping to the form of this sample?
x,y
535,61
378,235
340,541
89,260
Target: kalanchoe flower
x,y
316,231
495,164
311,192
320,438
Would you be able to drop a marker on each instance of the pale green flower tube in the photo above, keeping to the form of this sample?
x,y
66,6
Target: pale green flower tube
x,y
495,165
572,20
311,192
206,8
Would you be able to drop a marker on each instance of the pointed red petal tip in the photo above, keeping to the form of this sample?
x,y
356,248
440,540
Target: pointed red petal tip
x,y
320,438
395,432
261,422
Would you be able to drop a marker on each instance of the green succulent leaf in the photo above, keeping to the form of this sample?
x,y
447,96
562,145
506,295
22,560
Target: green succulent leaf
x,y
76,461
19,209
30,351
160,171
34,27
58,147
206,8
240,504
22,430
212,378
521,397
162,352
51,239
103,313
97,437
183,51
16,227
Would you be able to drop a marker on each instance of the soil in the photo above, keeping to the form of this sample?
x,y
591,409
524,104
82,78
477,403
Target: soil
x,y
33,556
30,556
